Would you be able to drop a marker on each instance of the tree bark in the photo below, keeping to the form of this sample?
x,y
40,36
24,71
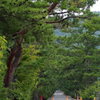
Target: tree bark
x,y
14,58
13,61
52,6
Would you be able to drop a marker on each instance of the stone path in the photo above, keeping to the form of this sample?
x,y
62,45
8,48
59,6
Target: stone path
x,y
59,95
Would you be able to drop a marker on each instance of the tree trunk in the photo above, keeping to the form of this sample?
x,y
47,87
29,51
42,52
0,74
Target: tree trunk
x,y
36,95
14,57
52,6
13,61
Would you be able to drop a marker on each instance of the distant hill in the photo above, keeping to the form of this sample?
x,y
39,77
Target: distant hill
x,y
97,12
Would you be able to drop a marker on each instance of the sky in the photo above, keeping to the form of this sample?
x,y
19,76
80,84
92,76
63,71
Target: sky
x,y
96,7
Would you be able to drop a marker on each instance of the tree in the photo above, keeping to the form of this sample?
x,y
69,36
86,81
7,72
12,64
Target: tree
x,y
80,50
72,62
19,22
24,23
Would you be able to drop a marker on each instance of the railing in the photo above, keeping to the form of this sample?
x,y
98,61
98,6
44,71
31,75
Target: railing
x,y
78,98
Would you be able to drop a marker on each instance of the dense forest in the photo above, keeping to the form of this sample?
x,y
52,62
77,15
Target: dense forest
x,y
46,45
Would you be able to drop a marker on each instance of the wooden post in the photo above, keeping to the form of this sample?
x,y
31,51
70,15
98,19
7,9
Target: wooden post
x,y
52,98
66,97
77,98
94,98
80,98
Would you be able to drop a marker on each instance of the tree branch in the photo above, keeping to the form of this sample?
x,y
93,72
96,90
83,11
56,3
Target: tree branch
x,y
52,6
82,17
58,13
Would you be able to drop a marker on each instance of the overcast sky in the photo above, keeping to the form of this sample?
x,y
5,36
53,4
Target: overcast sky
x,y
96,7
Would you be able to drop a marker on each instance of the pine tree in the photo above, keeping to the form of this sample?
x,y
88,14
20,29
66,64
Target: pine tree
x,y
26,24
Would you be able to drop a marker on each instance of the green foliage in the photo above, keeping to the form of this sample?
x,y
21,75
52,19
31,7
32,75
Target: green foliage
x,y
26,76
3,48
80,66
69,63
72,62
2,59
91,91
